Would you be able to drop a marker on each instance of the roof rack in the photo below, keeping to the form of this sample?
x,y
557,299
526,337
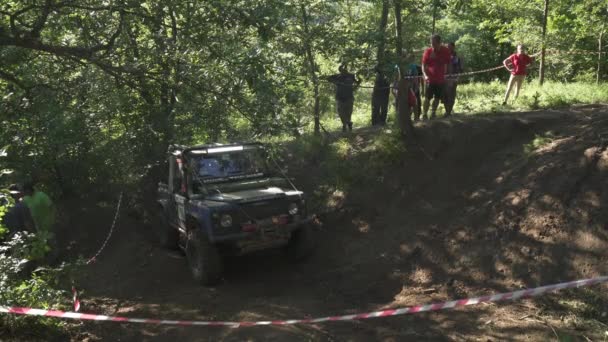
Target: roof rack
x,y
215,145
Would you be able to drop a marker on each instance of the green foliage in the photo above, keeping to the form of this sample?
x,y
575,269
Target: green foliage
x,y
25,287
387,150
538,142
342,148
92,94
487,97
308,146
6,202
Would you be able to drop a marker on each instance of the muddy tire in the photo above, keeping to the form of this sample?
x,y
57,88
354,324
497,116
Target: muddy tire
x,y
167,236
301,244
203,259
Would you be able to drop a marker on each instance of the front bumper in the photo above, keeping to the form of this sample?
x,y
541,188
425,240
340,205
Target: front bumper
x,y
264,237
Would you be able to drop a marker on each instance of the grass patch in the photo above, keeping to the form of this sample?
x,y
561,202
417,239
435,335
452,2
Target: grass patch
x,y
477,97
539,141
580,309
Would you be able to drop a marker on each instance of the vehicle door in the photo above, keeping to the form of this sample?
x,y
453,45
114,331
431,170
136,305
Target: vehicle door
x,y
177,190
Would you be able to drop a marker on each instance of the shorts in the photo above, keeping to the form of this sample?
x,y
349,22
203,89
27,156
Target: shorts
x,y
434,90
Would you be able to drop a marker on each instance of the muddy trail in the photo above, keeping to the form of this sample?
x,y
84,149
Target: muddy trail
x,y
484,204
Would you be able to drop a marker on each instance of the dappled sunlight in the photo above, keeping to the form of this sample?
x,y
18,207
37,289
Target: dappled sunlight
x,y
518,198
362,226
592,199
421,276
553,145
342,148
336,200
590,242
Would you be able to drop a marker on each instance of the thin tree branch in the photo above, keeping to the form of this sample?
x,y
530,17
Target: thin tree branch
x,y
41,20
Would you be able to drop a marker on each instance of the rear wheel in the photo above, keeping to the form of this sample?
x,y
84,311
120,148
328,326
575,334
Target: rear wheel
x,y
301,244
203,258
168,236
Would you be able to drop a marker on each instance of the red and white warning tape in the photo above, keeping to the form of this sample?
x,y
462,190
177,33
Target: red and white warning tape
x,y
75,299
384,313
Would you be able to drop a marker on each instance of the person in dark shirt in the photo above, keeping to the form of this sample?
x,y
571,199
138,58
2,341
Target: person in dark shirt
x,y
380,96
346,84
451,83
415,70
18,217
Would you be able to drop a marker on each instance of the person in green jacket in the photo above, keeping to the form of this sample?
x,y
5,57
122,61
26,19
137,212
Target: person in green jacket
x,y
42,210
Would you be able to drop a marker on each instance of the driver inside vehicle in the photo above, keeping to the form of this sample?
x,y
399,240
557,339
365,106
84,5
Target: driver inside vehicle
x,y
209,167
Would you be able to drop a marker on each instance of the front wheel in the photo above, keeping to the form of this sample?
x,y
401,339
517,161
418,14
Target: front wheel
x,y
203,258
301,244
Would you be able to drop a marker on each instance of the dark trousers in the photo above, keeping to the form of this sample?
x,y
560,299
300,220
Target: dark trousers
x,y
449,96
379,108
418,108
345,112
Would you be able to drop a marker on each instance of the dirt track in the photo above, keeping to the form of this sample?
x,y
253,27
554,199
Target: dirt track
x,y
471,213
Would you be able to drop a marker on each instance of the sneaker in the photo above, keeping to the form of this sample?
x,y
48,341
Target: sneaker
x,y
350,126
425,118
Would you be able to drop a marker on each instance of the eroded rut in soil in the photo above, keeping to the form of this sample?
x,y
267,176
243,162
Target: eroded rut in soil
x,y
480,208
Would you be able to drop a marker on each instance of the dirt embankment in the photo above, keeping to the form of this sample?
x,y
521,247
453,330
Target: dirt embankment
x,y
484,204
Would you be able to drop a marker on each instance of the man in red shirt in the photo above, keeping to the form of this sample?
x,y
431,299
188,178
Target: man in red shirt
x,y
516,64
434,67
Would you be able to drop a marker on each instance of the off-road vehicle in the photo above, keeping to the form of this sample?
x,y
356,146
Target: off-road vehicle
x,y
229,199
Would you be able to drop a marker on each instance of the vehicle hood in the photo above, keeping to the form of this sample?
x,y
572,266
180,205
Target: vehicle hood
x,y
252,195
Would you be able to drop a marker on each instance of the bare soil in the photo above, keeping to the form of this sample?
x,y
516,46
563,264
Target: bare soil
x,y
471,211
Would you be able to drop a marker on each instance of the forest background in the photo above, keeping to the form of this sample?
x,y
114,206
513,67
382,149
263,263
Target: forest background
x,y
94,91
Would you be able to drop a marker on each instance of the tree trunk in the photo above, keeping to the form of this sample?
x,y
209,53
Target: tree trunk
x,y
599,57
404,121
382,30
312,66
377,92
434,16
403,109
315,82
398,31
542,53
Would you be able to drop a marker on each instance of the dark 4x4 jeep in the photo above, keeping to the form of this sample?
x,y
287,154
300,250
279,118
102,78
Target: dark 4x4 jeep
x,y
225,199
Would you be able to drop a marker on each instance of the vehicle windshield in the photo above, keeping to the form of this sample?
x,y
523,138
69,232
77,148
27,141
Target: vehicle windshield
x,y
227,166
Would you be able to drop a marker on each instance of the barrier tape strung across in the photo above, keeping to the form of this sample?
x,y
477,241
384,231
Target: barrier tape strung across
x,y
527,293
574,52
448,76
103,246
548,52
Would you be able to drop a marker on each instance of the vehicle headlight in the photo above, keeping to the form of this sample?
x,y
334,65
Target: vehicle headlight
x,y
226,221
293,209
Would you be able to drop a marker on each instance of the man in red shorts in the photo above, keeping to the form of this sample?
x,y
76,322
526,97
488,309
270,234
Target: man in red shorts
x,y
434,67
